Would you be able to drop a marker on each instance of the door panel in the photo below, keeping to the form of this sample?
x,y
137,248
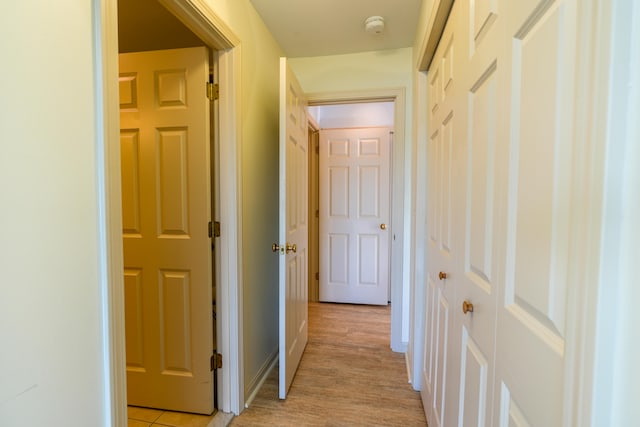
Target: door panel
x,y
129,164
339,192
293,230
134,325
171,169
446,169
442,353
166,210
429,361
474,383
543,173
354,203
531,337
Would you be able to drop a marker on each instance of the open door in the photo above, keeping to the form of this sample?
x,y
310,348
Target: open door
x,y
293,225
166,209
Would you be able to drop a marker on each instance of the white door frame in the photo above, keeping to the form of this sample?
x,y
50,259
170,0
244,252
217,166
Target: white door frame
x,y
203,21
603,357
399,296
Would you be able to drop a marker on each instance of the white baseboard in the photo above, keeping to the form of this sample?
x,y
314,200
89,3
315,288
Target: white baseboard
x,y
407,363
260,378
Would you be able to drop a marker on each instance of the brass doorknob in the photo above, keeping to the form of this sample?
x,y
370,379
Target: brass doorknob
x,y
383,226
275,247
291,248
467,307
442,275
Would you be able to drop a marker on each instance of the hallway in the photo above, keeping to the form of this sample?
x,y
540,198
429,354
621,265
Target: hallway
x,y
348,376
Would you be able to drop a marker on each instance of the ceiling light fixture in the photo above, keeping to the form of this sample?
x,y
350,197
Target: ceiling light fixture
x,y
374,24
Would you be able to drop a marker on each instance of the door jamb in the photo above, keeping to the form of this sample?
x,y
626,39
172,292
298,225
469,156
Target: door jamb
x,y
203,21
399,292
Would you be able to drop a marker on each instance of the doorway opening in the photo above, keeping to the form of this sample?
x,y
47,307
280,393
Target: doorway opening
x,y
167,145
369,128
398,291
225,55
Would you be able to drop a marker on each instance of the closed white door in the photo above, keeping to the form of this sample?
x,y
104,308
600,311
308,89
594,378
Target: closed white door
x,y
354,215
293,228
166,204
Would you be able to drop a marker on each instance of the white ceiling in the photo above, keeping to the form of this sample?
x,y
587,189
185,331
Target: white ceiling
x,y
334,27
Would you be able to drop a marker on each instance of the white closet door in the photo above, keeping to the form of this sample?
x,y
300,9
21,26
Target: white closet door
x,y
503,78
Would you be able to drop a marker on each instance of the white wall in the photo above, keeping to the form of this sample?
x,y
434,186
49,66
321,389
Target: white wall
x,y
366,71
51,313
353,115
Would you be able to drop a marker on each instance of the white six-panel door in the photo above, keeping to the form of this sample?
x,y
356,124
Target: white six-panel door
x,y
293,228
354,215
501,100
166,208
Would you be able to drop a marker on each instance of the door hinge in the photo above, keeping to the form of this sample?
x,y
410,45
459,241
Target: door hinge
x,y
213,91
317,276
216,361
214,229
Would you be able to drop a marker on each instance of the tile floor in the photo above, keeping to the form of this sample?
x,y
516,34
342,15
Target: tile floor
x,y
146,417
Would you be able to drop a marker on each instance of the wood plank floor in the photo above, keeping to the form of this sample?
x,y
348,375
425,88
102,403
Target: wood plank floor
x,y
348,376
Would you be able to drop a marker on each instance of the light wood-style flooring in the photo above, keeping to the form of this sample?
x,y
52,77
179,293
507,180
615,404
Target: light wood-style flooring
x,y
348,376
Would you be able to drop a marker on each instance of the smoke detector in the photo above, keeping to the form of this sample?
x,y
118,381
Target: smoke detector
x,y
374,24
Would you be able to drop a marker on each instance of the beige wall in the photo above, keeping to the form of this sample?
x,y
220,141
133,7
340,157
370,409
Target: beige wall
x,y
51,331
259,119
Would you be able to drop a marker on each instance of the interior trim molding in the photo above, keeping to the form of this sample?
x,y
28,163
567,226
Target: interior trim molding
x,y
431,37
198,16
108,165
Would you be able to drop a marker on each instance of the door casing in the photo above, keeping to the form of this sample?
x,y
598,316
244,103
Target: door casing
x,y
203,21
